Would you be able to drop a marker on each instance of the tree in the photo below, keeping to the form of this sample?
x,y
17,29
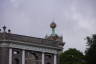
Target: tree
x,y
91,50
72,56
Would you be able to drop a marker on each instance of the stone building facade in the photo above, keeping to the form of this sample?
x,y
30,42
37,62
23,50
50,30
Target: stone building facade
x,y
20,49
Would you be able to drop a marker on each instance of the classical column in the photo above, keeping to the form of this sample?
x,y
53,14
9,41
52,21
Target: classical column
x,y
42,58
23,56
10,55
55,59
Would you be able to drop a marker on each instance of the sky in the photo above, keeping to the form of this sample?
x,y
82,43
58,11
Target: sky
x,y
75,19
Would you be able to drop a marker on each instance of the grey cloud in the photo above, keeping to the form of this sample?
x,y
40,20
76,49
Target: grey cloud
x,y
75,18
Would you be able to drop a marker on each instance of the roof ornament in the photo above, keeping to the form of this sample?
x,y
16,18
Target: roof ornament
x,y
9,31
4,28
53,26
0,30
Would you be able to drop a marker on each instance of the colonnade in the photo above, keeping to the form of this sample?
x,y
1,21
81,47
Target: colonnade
x,y
23,57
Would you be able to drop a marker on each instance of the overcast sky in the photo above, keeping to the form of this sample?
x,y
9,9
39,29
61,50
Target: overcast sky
x,y
75,19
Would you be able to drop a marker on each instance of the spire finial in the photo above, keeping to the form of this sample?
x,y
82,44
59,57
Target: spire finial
x,y
53,26
4,28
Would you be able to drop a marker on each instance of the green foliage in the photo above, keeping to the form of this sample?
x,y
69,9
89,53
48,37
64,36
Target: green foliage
x,y
91,51
72,56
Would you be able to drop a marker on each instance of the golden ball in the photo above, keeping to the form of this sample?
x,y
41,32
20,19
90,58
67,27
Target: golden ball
x,y
53,25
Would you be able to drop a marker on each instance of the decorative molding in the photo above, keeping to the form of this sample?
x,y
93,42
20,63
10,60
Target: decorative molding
x,y
29,47
40,49
31,44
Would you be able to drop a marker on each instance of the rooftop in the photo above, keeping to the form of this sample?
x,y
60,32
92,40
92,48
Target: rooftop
x,y
8,36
